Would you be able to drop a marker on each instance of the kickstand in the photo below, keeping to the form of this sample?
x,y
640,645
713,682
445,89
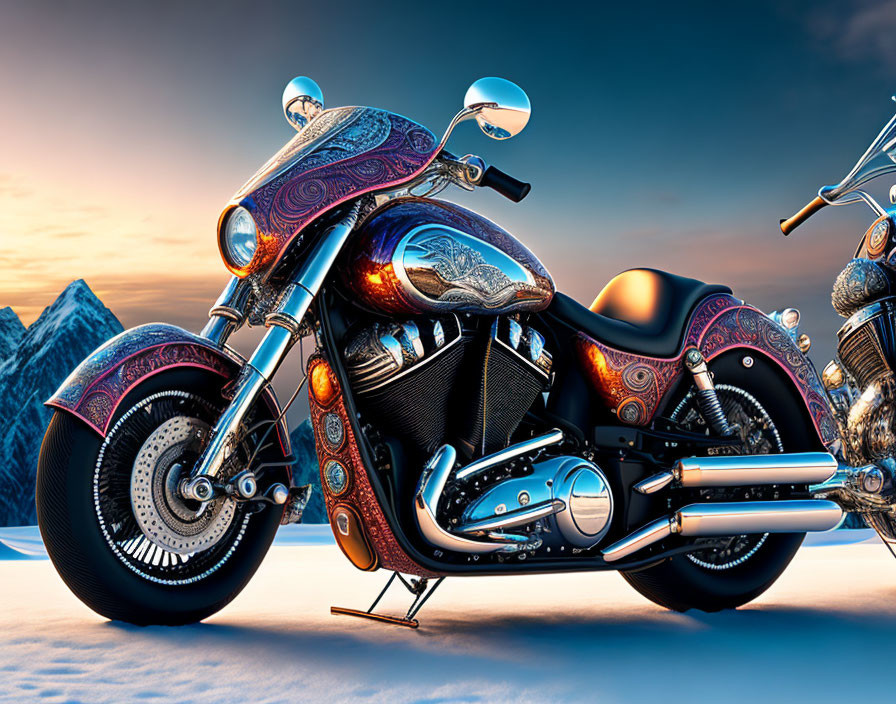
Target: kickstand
x,y
417,587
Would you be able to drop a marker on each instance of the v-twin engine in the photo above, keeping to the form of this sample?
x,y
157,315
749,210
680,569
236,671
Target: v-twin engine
x,y
508,502
863,389
562,501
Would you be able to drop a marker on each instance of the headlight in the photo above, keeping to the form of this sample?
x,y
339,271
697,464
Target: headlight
x,y
238,238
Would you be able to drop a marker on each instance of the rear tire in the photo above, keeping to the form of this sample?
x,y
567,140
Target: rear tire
x,y
678,583
80,550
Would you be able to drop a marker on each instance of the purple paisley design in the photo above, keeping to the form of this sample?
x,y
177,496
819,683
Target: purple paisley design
x,y
634,385
364,150
96,387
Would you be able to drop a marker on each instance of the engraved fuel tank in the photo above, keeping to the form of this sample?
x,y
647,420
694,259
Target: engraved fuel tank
x,y
415,255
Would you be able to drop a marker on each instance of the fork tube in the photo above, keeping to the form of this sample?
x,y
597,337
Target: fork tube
x,y
228,313
283,325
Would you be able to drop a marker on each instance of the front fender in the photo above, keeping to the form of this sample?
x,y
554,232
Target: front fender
x,y
94,390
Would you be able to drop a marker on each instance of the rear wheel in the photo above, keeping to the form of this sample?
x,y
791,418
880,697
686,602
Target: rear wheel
x,y
113,521
735,570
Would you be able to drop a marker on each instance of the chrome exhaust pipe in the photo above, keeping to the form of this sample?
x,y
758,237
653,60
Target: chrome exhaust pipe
x,y
426,503
508,453
732,518
744,470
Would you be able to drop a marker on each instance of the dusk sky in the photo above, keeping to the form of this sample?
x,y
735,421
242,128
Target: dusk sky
x,y
671,135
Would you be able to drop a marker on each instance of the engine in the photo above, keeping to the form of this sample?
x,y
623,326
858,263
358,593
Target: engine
x,y
435,380
862,390
431,381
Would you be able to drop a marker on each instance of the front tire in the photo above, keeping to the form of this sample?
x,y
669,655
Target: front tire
x,y
109,562
713,582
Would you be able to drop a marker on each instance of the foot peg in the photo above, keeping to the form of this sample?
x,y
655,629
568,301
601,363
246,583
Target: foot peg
x,y
295,498
418,587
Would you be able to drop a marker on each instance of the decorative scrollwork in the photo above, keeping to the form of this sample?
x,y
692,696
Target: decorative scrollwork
x,y
861,282
719,323
355,487
342,154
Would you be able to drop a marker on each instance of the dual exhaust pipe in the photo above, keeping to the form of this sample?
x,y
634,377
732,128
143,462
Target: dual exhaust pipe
x,y
737,517
696,520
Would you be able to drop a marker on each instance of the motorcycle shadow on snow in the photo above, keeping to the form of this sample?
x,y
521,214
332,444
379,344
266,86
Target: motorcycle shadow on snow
x,y
624,653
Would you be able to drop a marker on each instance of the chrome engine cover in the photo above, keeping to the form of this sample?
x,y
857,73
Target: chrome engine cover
x,y
574,492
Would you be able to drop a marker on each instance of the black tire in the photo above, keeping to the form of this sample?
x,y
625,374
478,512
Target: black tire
x,y
84,559
680,584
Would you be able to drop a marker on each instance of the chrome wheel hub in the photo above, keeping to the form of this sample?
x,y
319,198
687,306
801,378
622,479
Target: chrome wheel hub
x,y
175,524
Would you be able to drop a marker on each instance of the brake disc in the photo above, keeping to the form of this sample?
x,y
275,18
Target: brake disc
x,y
169,521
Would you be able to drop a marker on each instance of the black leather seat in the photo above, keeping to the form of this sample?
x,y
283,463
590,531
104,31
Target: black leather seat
x,y
640,310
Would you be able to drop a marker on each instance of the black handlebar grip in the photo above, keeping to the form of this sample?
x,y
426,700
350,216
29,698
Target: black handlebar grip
x,y
505,184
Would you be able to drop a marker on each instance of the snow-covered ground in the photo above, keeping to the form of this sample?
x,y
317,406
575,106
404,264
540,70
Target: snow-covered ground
x,y
826,632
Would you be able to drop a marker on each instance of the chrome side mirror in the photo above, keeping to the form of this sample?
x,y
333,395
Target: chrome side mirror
x,y
302,101
501,107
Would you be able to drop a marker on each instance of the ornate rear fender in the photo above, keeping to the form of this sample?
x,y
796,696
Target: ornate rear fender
x,y
634,386
94,390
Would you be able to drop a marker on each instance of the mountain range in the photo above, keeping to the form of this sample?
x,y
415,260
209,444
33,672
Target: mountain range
x,y
33,363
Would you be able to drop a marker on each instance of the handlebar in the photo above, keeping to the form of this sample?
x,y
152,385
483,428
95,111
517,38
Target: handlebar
x,y
505,184
798,218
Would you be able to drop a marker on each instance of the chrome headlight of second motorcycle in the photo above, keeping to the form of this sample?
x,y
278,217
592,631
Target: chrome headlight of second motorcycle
x,y
238,237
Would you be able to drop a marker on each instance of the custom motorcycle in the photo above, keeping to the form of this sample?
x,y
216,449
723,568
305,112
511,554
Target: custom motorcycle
x,y
469,419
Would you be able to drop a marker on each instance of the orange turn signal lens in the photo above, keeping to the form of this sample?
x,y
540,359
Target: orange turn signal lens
x,y
324,386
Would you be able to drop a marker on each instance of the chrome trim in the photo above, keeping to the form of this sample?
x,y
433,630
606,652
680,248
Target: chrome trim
x,y
278,340
570,488
229,311
442,268
508,453
404,372
746,470
654,483
432,484
233,300
512,519
218,330
865,313
503,108
302,101
745,517
648,535
732,518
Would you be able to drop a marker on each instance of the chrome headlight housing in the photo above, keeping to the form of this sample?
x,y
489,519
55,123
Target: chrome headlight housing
x,y
238,237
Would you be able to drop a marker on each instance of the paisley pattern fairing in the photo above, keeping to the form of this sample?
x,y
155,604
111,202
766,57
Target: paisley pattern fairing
x,y
634,386
342,154
94,390
416,255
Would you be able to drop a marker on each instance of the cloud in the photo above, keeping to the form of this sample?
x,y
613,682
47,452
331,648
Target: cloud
x,y
863,31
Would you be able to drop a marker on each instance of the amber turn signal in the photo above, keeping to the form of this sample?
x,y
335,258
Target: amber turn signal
x,y
324,386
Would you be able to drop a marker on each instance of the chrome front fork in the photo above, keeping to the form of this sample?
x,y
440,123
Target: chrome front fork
x,y
283,324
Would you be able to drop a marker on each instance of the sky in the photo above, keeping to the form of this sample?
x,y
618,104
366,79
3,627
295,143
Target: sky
x,y
672,135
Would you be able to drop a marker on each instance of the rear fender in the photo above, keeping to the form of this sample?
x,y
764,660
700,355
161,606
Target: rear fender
x,y
94,390
635,386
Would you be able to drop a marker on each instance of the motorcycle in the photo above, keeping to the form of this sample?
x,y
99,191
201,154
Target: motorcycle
x,y
469,419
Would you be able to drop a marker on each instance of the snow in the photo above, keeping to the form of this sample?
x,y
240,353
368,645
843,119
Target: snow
x,y
825,632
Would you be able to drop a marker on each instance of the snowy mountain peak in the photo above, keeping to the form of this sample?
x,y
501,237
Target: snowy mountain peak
x,y
77,306
68,330
11,332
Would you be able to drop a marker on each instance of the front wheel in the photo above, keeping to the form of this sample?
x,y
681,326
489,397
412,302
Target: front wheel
x,y
115,526
769,418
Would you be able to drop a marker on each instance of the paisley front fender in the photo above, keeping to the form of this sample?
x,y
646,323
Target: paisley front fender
x,y
94,390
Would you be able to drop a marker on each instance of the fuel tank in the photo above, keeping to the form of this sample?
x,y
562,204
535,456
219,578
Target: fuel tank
x,y
415,255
